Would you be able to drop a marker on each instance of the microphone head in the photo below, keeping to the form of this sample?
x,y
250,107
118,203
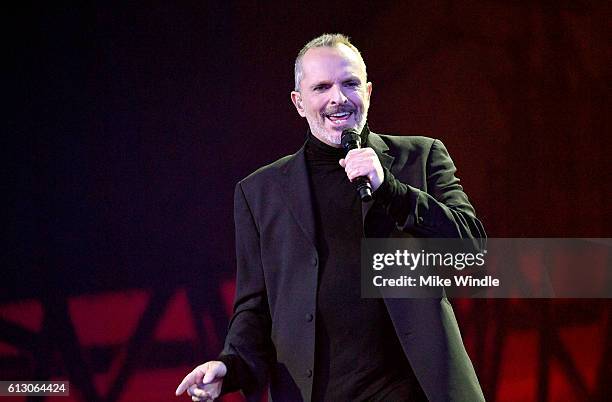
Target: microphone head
x,y
350,139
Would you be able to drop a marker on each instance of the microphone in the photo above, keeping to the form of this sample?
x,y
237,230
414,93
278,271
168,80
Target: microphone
x,y
350,139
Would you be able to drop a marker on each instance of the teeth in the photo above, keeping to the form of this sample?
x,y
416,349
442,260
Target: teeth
x,y
339,114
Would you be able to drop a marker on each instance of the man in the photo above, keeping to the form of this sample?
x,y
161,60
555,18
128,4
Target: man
x,y
299,322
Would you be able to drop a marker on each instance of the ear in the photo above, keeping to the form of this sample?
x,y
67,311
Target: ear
x,y
296,98
369,89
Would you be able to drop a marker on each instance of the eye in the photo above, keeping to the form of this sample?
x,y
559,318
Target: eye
x,y
352,84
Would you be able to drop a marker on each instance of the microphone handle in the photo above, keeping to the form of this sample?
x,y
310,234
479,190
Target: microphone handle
x,y
364,188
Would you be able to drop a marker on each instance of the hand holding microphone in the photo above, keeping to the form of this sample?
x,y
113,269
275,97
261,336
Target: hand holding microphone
x,y
361,165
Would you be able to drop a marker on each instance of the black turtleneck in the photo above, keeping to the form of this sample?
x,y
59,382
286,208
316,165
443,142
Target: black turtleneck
x,y
358,356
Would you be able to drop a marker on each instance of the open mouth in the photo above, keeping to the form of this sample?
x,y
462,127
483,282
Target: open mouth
x,y
339,118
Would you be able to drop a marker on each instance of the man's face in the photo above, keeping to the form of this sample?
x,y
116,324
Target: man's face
x,y
334,94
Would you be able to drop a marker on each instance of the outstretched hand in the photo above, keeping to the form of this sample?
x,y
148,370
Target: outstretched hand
x,y
204,382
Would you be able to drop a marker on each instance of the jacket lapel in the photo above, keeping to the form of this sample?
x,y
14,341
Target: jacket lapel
x,y
297,194
386,160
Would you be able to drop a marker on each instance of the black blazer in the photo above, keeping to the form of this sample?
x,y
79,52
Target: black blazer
x,y
271,336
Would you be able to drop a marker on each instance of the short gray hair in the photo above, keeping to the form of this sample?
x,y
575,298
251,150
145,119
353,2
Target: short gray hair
x,y
325,40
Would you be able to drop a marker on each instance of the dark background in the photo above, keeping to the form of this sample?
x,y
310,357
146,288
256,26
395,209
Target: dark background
x,y
128,126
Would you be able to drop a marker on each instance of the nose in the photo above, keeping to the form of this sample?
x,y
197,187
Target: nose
x,y
337,96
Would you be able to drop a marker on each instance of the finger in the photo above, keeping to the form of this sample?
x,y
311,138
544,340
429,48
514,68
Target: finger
x,y
360,153
200,393
357,165
367,159
364,167
354,152
358,159
188,380
342,162
357,172
350,173
192,389
349,156
213,389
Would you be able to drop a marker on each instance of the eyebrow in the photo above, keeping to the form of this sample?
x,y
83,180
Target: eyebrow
x,y
352,77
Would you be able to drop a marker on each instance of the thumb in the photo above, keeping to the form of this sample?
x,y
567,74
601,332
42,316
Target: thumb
x,y
342,162
210,375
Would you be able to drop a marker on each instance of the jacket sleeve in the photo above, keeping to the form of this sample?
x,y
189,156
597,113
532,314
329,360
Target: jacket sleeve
x,y
248,349
443,210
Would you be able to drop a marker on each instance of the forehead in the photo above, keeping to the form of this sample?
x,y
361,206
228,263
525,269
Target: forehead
x,y
328,62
